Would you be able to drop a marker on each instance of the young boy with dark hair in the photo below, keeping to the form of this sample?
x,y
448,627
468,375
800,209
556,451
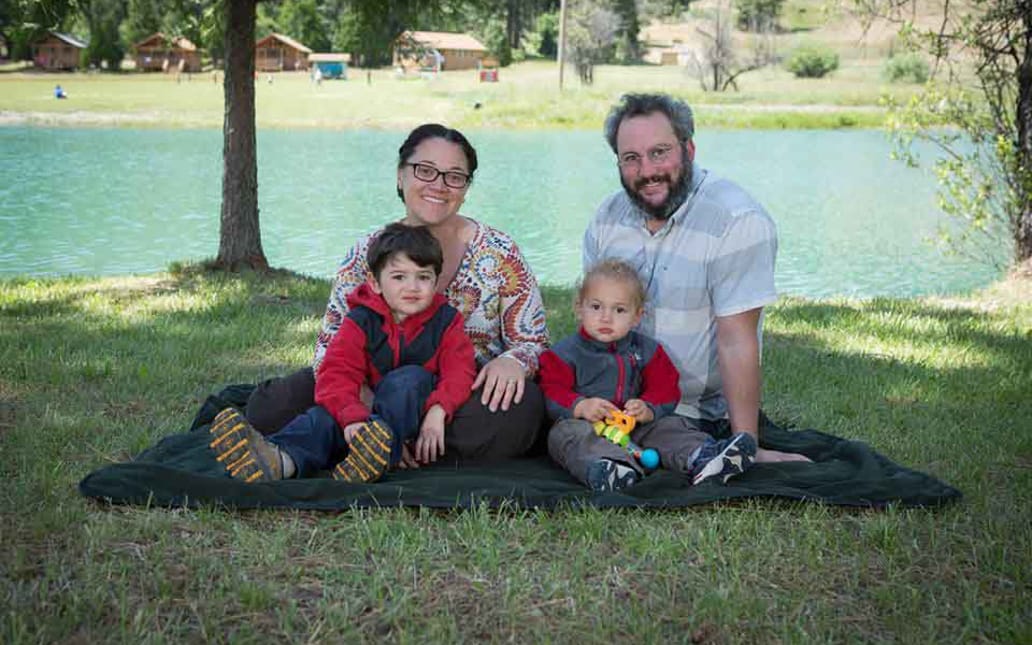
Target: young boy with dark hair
x,y
402,340
607,366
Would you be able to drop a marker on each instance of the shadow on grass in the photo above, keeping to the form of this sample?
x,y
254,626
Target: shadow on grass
x,y
924,383
149,350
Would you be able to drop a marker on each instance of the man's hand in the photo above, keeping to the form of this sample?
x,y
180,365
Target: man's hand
x,y
593,409
430,444
640,410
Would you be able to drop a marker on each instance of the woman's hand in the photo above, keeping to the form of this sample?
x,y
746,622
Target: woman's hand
x,y
407,460
502,379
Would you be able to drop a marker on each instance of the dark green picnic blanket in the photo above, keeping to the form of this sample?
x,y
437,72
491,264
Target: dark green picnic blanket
x,y
181,471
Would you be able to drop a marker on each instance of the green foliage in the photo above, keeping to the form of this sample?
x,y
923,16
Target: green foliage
x,y
22,23
143,18
971,167
758,15
104,18
367,29
628,49
302,21
494,36
543,40
812,61
906,68
981,127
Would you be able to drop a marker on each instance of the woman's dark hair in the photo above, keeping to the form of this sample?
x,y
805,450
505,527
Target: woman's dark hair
x,y
436,131
416,242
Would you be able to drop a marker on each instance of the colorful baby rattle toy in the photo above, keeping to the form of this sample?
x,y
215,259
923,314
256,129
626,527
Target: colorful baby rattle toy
x,y
617,427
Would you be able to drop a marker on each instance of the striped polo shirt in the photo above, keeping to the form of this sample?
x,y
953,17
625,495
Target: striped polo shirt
x,y
713,257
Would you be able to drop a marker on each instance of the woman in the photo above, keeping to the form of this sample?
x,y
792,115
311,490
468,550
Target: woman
x,y
484,276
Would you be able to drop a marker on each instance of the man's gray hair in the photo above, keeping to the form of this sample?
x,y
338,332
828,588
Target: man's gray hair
x,y
632,105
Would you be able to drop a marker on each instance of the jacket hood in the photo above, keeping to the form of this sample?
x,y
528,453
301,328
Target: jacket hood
x,y
364,296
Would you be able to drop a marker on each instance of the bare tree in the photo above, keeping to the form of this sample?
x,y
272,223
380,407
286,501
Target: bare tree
x,y
717,66
591,38
240,238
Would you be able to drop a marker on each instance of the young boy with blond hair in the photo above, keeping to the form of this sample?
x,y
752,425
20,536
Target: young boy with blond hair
x,y
607,366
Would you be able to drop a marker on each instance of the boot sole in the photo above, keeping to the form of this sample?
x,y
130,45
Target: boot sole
x,y
729,462
234,444
369,455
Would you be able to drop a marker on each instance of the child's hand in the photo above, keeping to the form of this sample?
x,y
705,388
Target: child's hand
x,y
350,429
640,410
593,409
430,444
407,460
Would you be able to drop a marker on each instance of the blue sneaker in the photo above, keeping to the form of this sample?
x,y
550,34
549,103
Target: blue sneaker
x,y
605,475
724,459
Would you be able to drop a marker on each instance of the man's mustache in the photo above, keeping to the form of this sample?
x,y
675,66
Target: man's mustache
x,y
640,182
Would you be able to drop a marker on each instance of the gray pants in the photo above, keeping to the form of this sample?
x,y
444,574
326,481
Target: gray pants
x,y
573,444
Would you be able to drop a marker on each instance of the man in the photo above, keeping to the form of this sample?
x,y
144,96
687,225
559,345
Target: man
x,y
705,250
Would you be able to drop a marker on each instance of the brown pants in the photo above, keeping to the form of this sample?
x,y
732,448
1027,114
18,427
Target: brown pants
x,y
475,434
573,444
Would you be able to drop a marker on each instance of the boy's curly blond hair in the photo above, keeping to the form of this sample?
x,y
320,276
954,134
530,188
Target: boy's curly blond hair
x,y
618,271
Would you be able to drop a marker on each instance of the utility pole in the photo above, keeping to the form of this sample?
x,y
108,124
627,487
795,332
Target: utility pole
x,y
562,41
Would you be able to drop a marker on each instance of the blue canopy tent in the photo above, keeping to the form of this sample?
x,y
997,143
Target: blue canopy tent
x,y
330,65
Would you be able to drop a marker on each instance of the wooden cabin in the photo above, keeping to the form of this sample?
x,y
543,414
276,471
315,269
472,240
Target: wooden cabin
x,y
279,53
159,53
57,51
437,50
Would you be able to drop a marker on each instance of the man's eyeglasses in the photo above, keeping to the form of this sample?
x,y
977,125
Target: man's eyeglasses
x,y
657,155
452,178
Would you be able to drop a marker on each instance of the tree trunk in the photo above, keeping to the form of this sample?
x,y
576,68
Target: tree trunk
x,y
240,239
1023,224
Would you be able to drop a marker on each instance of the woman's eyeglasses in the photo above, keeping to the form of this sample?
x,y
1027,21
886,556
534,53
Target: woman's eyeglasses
x,y
452,178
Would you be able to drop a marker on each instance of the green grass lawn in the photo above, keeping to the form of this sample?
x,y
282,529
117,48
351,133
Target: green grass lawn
x,y
94,370
526,97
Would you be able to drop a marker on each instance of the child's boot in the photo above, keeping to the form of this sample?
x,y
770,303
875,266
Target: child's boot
x,y
243,451
369,454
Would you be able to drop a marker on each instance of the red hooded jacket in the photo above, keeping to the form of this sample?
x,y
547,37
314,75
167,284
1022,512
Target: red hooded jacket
x,y
348,362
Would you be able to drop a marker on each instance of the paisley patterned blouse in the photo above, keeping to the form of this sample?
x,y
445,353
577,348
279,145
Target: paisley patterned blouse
x,y
493,288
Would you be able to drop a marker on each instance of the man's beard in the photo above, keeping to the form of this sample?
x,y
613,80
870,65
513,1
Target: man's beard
x,y
677,192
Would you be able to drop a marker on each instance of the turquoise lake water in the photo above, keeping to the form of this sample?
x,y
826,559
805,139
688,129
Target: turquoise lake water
x,y
115,201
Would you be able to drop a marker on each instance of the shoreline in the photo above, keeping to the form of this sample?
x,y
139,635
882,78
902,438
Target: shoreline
x,y
715,116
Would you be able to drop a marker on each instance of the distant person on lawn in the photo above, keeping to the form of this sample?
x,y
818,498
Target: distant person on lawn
x,y
704,249
484,276
402,340
607,366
